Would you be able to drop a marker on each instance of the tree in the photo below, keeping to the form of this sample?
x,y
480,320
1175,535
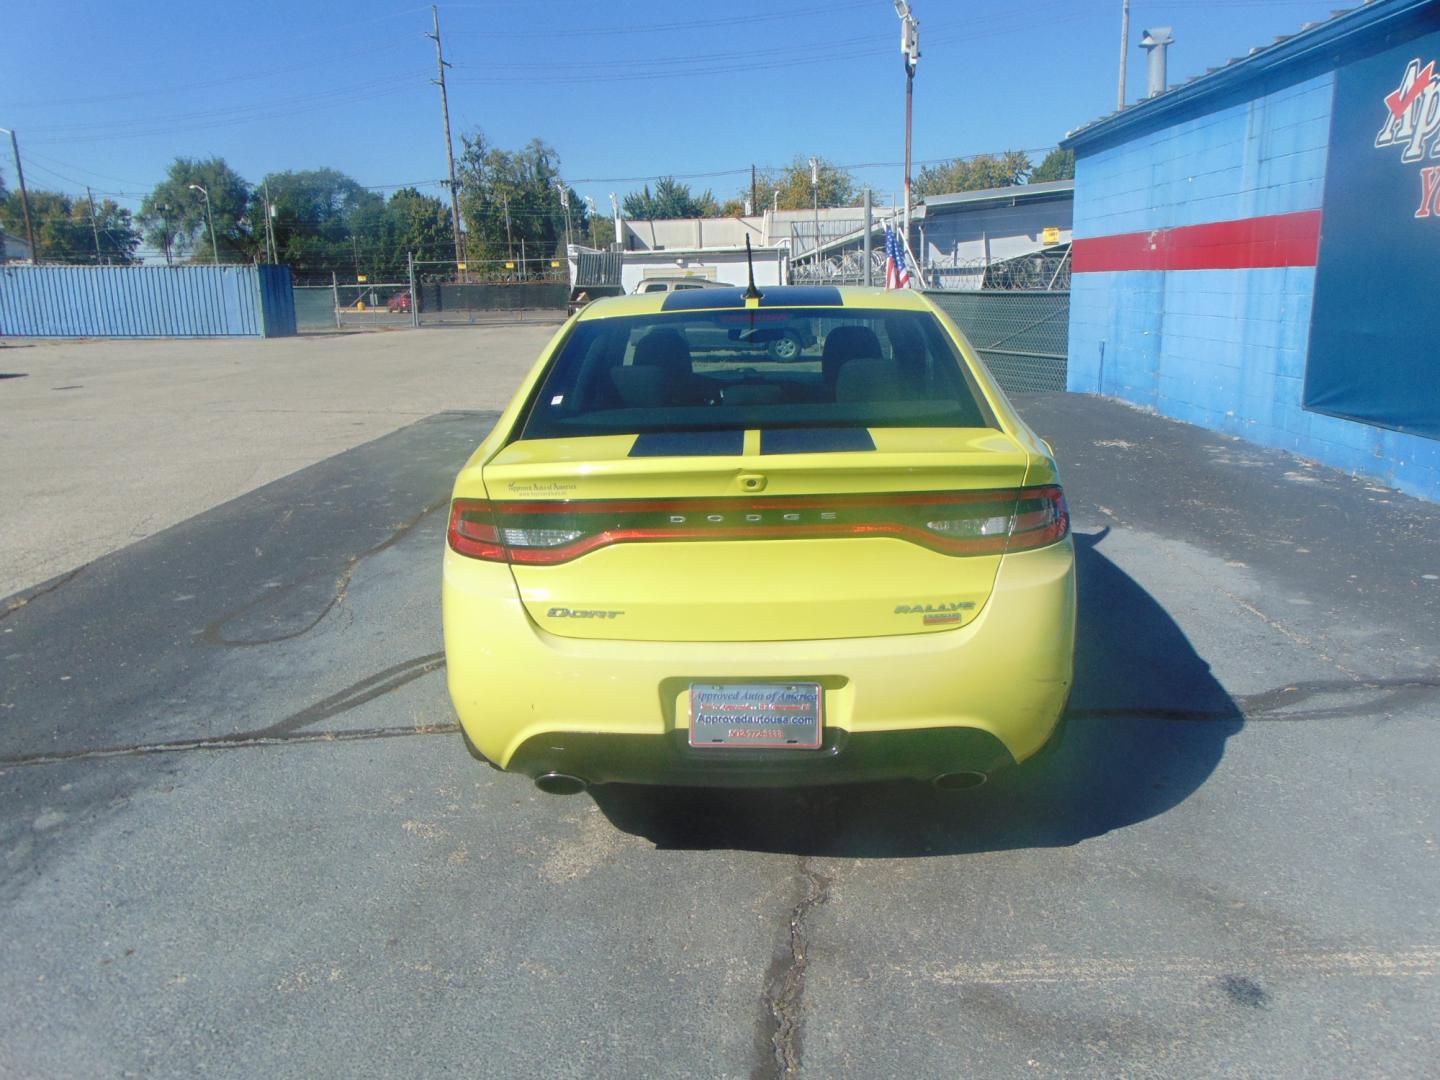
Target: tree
x,y
1058,165
417,224
836,187
974,174
510,200
174,216
322,220
601,232
66,232
672,199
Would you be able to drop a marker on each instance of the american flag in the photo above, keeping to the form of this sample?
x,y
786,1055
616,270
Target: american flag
x,y
896,275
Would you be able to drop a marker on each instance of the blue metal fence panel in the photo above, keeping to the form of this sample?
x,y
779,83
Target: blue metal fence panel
x,y
146,301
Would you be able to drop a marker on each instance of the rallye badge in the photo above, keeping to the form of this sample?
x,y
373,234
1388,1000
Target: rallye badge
x,y
1412,120
946,612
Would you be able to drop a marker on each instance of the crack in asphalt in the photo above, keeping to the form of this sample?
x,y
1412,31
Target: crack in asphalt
x,y
1250,708
212,634
15,603
785,985
1268,705
239,741
282,731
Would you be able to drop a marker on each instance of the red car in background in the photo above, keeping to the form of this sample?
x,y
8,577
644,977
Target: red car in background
x,y
399,302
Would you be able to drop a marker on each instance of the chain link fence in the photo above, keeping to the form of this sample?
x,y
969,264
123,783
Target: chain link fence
x,y
1023,337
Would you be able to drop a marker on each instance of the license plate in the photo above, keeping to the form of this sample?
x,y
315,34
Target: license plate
x,y
776,716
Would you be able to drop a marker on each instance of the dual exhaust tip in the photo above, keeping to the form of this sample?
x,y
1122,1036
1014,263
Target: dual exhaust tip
x,y
555,783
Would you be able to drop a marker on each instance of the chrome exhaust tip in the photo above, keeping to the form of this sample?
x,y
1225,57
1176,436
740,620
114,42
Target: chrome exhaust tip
x,y
560,784
959,781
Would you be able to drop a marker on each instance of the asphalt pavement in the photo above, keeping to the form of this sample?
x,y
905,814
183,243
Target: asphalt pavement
x,y
240,836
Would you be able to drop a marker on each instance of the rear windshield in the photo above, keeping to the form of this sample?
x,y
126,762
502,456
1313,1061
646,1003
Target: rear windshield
x,y
756,368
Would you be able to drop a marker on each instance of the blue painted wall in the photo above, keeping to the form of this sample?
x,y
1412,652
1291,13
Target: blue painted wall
x,y
1224,349
146,301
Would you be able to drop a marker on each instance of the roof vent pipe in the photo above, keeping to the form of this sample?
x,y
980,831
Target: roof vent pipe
x,y
1155,42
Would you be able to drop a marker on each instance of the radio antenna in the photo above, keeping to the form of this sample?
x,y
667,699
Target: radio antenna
x,y
751,293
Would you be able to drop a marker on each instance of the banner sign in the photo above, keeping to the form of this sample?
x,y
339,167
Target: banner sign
x,y
1375,328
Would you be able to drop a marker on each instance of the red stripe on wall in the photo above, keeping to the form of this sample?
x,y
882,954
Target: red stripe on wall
x,y
1250,243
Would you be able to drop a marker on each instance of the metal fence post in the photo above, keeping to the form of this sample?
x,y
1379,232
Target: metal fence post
x,y
414,292
335,297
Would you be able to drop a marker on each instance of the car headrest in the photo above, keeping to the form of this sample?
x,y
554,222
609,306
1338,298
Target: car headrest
x,y
869,380
639,387
666,350
846,343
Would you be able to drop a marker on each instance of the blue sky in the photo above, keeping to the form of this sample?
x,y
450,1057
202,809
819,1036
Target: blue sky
x,y
106,94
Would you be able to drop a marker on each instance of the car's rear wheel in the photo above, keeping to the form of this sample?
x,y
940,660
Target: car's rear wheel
x,y
785,348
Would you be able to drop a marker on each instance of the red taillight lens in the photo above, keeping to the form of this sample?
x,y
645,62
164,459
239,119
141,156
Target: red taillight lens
x,y
1041,518
472,530
950,522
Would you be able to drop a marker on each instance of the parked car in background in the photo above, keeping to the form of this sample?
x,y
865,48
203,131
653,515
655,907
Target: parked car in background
x,y
856,567
400,301
678,283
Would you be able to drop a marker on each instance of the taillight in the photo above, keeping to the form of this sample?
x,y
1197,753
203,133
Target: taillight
x,y
950,522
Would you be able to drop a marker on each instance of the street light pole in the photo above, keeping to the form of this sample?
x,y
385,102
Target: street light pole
x,y
24,197
209,217
565,203
910,51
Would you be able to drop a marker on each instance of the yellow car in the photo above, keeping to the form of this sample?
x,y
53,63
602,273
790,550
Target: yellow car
x,y
710,568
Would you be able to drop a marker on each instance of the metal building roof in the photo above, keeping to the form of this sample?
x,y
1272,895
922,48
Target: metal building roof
x,y
1310,40
1009,195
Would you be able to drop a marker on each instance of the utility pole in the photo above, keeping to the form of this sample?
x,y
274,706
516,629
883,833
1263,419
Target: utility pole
x,y
509,243
868,278
590,205
1124,48
910,52
440,66
164,209
94,228
815,204
754,191
615,213
269,222
24,197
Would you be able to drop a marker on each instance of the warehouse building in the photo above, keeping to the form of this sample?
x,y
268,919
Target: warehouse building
x,y
1252,249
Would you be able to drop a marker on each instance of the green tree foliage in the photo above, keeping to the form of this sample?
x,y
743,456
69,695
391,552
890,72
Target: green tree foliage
x,y
322,221
174,216
836,187
1058,165
600,232
419,224
66,232
512,196
974,173
671,199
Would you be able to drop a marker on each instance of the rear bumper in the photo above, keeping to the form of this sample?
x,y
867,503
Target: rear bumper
x,y
906,706
917,754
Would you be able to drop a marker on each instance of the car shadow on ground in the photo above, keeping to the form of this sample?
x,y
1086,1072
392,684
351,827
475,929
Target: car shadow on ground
x,y
1146,726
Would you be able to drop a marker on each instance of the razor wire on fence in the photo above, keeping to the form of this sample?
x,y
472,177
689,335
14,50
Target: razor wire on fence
x,y
1047,271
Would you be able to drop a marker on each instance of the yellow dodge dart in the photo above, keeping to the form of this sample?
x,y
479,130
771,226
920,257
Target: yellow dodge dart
x,y
680,560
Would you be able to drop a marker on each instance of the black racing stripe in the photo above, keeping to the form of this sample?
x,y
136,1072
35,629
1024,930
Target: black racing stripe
x,y
688,444
802,296
701,299
814,440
